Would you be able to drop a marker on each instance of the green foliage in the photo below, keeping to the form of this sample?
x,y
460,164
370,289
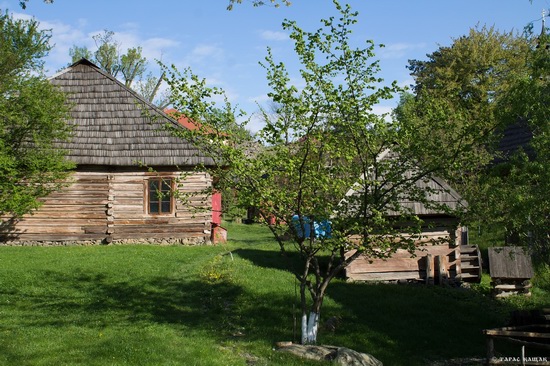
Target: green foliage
x,y
107,54
130,66
23,3
456,94
467,94
522,182
77,52
275,3
325,156
218,269
34,115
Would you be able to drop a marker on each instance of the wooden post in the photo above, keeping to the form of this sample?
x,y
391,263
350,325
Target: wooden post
x,y
458,264
443,275
429,269
490,349
110,210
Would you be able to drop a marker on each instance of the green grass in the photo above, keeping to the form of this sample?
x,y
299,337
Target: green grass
x,y
218,305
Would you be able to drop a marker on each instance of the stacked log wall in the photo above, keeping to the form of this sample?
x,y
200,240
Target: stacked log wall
x,y
437,256
190,221
109,206
76,213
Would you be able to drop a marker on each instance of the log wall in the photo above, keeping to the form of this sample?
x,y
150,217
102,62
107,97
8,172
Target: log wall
x,y
110,207
436,259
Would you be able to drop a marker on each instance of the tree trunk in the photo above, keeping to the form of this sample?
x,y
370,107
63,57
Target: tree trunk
x,y
310,326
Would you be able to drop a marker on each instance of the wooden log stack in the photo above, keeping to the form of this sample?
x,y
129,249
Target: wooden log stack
x,y
511,271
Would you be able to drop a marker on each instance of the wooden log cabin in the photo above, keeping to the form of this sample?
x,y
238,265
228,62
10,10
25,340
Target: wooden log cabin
x,y
124,158
442,255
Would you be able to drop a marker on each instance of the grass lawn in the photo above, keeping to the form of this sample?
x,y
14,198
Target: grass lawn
x,y
174,305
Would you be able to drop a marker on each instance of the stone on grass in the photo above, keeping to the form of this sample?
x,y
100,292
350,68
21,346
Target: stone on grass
x,y
338,355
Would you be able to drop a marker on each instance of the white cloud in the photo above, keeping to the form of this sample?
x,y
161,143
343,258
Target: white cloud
x,y
204,51
381,109
406,83
273,36
398,50
255,123
65,35
260,99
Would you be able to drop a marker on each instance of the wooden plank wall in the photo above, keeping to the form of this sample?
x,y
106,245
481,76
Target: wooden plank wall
x,y
110,207
76,213
438,251
129,219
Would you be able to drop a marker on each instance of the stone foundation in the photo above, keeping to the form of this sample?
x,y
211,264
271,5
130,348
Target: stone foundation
x,y
145,241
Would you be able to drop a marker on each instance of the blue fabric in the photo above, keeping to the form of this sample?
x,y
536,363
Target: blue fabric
x,y
321,230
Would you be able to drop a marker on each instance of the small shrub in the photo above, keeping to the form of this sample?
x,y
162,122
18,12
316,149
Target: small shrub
x,y
217,270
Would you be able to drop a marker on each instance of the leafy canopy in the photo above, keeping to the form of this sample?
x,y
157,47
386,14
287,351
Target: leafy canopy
x,y
131,66
34,115
471,93
324,156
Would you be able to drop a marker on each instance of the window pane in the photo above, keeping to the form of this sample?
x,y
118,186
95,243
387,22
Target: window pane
x,y
165,207
153,207
160,196
166,186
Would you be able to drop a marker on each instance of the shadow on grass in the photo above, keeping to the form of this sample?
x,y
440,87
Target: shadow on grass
x,y
289,261
415,322
402,324
221,308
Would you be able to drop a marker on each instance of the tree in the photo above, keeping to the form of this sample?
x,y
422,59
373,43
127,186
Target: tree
x,y
519,184
342,181
33,116
130,66
480,85
23,3
107,55
77,52
457,89
275,3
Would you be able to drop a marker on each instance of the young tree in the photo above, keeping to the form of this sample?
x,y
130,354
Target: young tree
x,y
336,178
33,116
77,52
130,66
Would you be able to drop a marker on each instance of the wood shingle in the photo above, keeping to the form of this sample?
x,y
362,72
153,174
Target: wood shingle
x,y
111,126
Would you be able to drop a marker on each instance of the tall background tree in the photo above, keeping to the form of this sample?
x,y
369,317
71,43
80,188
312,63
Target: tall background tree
x,y
275,3
330,176
33,116
476,88
130,66
518,186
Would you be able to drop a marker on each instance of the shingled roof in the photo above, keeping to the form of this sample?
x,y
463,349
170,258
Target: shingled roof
x,y
111,127
438,192
516,136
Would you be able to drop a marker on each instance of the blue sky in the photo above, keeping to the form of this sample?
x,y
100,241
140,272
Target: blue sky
x,y
226,46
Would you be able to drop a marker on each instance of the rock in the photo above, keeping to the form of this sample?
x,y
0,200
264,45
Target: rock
x,y
317,353
339,355
349,357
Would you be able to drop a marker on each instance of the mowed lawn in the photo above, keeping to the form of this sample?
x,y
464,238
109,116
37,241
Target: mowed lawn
x,y
218,305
